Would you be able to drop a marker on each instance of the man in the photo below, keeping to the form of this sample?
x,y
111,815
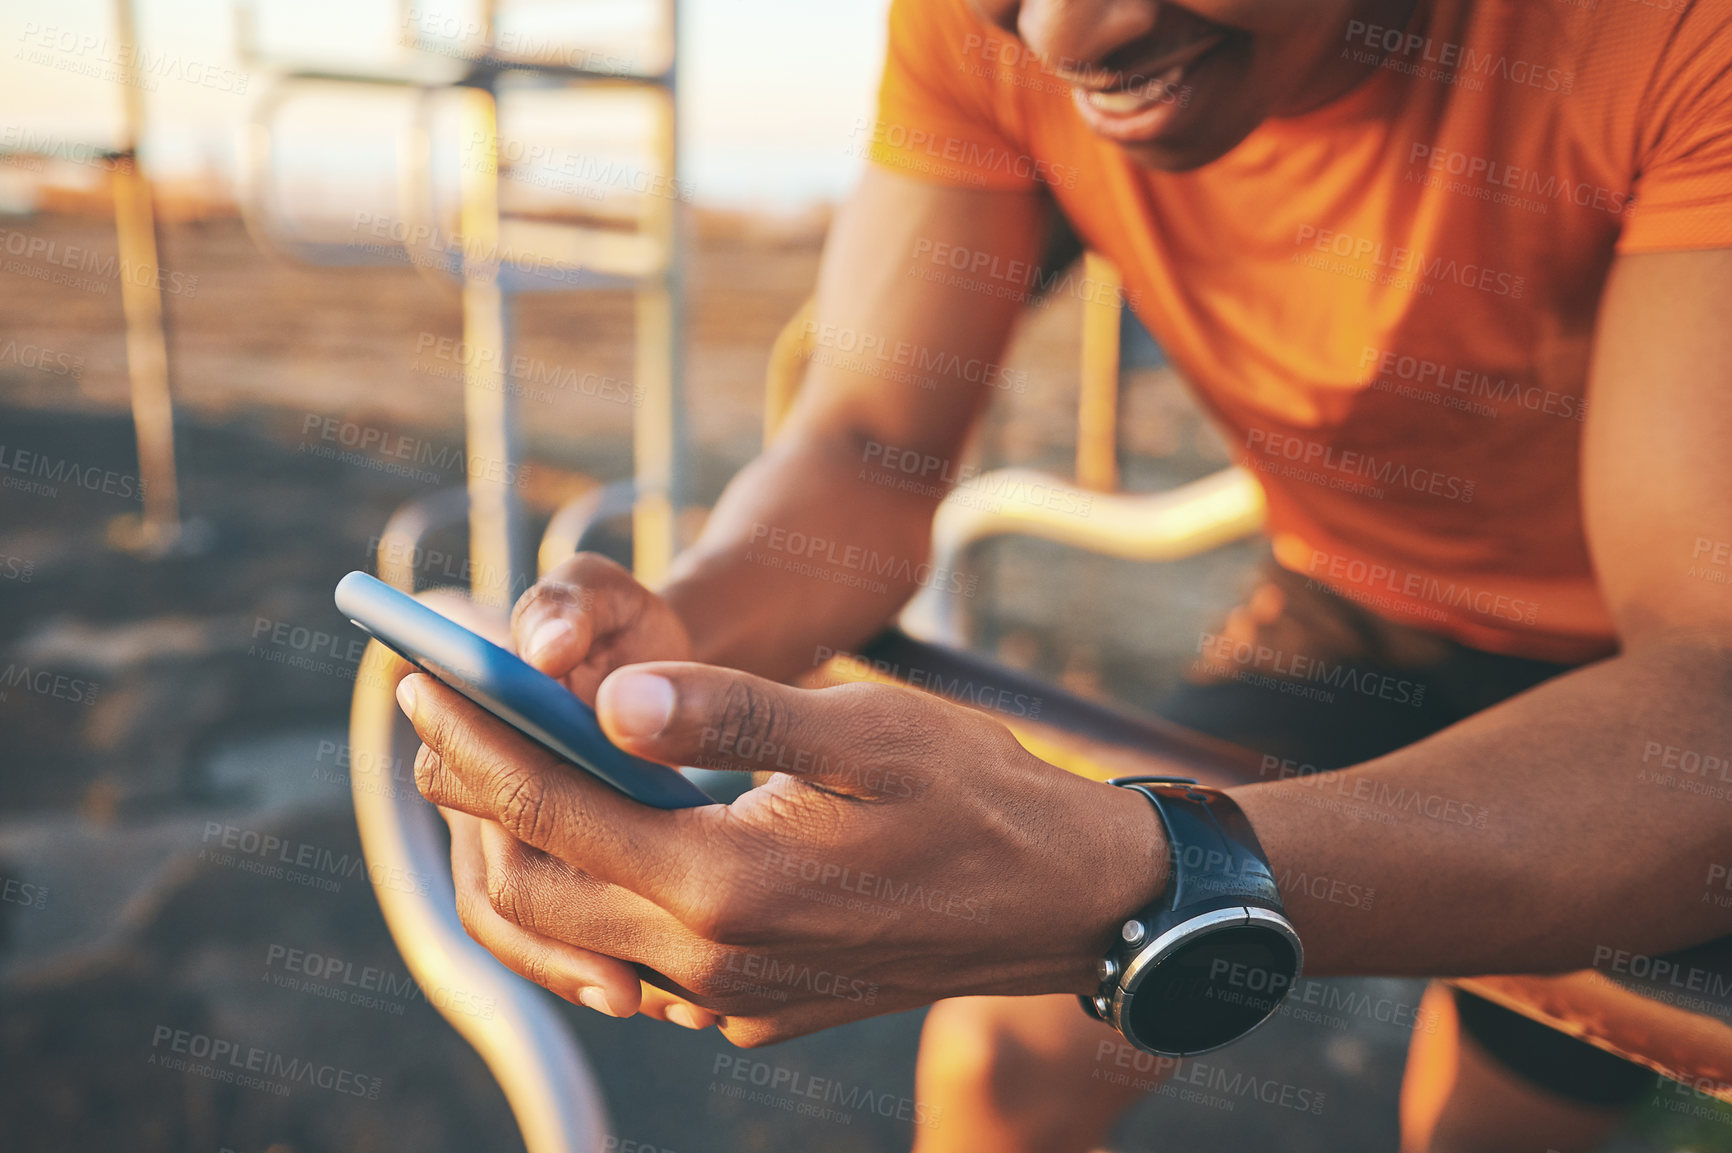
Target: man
x,y
1451,275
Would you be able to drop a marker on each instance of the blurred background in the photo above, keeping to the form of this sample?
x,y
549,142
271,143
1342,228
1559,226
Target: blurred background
x,y
273,272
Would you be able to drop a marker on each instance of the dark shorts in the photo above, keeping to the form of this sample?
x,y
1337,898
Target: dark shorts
x,y
1307,676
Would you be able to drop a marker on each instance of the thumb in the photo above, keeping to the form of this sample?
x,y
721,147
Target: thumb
x,y
847,739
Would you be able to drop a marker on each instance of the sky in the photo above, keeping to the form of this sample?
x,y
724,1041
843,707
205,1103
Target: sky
x,y
771,91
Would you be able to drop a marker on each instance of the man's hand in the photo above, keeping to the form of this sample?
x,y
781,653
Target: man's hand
x,y
906,850
588,617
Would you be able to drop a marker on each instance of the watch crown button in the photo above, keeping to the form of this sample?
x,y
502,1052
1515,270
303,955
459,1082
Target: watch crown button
x,y
1133,932
1107,968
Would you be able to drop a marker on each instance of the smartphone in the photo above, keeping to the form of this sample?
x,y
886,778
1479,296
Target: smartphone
x,y
499,681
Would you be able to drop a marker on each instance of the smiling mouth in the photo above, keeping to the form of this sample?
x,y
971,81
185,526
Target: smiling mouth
x,y
1131,93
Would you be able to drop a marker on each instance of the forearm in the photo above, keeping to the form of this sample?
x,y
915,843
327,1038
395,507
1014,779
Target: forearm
x,y
800,555
1523,839
818,543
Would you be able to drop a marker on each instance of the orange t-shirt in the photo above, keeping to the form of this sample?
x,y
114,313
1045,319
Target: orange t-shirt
x,y
1388,302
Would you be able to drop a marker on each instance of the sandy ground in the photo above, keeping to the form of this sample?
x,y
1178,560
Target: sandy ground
x,y
123,915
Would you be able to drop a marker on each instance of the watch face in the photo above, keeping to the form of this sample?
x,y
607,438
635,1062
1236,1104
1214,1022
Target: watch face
x,y
1211,990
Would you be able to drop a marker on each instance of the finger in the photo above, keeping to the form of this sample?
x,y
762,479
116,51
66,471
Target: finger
x,y
539,892
478,764
543,896
663,1005
578,975
841,738
556,622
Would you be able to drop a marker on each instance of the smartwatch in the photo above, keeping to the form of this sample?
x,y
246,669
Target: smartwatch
x,y
1214,955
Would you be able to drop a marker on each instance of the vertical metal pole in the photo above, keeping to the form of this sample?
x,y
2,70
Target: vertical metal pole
x,y
1097,445
491,457
659,434
141,302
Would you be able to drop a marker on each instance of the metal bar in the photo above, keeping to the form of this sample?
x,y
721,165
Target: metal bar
x,y
658,430
489,419
1097,443
141,302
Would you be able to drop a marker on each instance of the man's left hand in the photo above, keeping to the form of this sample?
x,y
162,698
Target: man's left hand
x,y
905,850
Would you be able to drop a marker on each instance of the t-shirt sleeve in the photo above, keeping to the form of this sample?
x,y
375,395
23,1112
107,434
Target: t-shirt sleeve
x,y
1683,186
940,115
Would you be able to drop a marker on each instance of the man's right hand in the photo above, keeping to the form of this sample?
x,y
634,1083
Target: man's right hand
x,y
588,617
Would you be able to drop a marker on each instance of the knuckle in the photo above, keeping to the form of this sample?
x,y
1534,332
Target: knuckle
x,y
895,720
469,914
535,965
750,717
508,896
525,808
427,773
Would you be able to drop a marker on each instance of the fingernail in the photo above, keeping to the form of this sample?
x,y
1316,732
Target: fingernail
x,y
641,703
594,998
546,635
406,695
683,1015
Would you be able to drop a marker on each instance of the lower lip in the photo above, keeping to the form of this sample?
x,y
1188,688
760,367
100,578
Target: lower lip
x,y
1144,125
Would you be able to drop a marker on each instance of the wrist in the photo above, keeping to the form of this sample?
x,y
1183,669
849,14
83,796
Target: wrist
x,y
1128,867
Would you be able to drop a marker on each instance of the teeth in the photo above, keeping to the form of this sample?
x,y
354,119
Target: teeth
x,y
1139,95
1121,102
